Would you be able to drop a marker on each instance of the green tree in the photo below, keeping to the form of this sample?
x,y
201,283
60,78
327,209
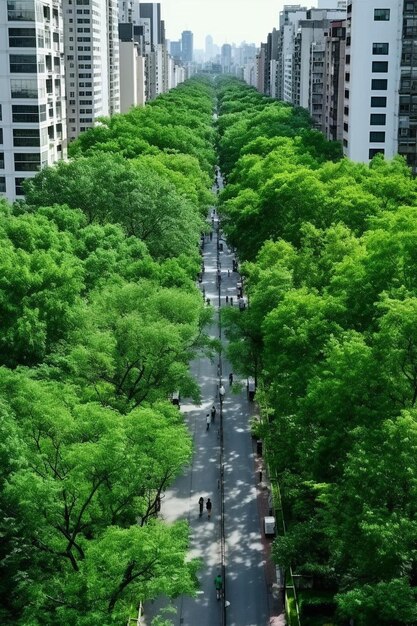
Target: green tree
x,y
94,477
135,343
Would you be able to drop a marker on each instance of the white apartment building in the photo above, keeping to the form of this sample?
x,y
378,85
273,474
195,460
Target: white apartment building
x,y
132,69
372,78
310,34
288,25
91,62
32,91
125,8
113,63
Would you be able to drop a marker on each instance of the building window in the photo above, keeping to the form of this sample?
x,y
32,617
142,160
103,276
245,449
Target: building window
x,y
347,94
27,162
26,137
380,48
24,87
346,110
23,64
345,143
345,127
18,186
380,84
381,15
374,151
22,37
377,136
28,113
347,76
380,66
1,160
2,184
378,101
20,11
1,136
378,119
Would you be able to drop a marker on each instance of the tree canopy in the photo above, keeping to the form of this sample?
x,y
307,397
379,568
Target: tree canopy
x,y
101,316
328,257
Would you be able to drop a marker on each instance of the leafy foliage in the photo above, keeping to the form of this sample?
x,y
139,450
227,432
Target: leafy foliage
x,y
328,251
100,318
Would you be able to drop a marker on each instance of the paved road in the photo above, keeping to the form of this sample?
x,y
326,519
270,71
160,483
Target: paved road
x,y
246,585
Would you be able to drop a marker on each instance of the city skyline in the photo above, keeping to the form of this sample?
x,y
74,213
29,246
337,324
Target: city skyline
x,y
227,21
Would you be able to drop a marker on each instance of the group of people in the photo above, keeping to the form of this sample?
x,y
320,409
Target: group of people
x,y
209,506
210,417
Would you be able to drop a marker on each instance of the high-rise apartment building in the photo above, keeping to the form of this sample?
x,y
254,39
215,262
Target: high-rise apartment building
x,y
209,50
132,67
407,121
125,8
187,46
372,77
91,62
151,11
226,58
32,90
334,81
113,63
175,50
288,24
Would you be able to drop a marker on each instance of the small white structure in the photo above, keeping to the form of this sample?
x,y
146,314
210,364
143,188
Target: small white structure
x,y
269,526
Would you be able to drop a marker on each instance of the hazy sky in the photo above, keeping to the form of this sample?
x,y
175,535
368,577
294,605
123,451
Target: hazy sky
x,y
227,21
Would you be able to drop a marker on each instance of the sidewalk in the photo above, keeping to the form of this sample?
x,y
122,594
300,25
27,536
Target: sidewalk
x,y
249,575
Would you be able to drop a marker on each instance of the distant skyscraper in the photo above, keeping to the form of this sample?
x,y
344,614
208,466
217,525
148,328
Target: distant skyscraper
x,y
187,46
226,58
175,49
32,91
152,11
209,48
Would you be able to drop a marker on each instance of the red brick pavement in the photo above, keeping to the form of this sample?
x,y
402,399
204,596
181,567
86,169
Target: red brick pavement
x,y
277,617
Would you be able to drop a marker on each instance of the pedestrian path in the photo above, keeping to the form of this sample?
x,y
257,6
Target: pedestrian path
x,y
223,469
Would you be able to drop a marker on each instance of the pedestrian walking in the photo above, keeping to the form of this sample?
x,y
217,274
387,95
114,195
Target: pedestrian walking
x,y
219,276
231,378
208,507
218,584
222,393
201,505
213,413
228,273
208,420
211,235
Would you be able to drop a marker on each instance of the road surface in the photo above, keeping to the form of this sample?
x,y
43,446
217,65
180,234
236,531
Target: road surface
x,y
242,555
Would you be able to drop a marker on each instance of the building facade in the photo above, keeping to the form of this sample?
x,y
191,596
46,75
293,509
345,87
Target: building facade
x,y
32,91
372,78
334,81
91,62
226,58
187,46
132,67
407,121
